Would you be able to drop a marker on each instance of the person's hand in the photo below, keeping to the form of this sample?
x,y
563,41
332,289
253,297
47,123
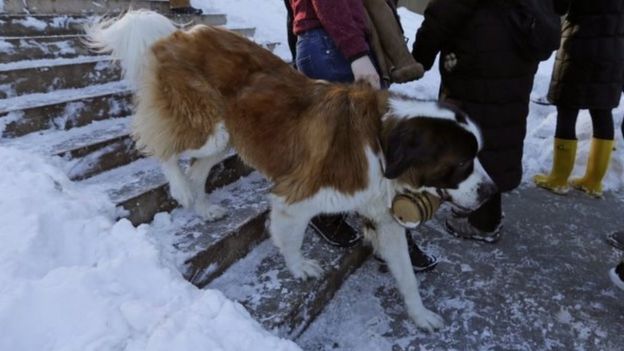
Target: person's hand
x,y
363,68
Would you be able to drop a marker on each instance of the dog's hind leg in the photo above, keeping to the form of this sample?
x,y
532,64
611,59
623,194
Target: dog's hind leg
x,y
389,240
198,174
288,225
179,185
212,152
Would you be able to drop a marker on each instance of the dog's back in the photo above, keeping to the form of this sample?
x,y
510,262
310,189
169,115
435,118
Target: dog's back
x,y
208,84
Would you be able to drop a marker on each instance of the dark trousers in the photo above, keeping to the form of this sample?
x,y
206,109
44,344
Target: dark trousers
x,y
489,215
292,38
602,123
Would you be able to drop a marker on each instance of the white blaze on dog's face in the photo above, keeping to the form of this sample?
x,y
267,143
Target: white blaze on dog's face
x,y
434,147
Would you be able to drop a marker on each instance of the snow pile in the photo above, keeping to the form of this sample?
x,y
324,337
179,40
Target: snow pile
x,y
71,278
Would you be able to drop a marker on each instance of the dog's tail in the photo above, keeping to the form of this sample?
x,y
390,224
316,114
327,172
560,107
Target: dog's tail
x,y
128,38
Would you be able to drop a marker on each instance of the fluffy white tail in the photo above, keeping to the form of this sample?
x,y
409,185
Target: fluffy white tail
x,y
128,39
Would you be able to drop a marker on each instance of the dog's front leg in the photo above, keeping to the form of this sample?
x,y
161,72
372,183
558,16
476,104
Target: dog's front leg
x,y
388,239
288,225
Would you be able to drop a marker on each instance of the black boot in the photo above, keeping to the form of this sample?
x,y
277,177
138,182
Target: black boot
x,y
421,261
617,275
189,10
335,230
616,239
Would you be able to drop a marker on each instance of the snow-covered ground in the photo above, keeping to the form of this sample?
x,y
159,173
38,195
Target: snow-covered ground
x,y
73,278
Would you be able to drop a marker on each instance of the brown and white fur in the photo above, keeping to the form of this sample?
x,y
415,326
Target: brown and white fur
x,y
326,147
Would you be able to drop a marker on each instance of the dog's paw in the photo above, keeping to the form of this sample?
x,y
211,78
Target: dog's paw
x,y
306,268
427,320
209,211
182,193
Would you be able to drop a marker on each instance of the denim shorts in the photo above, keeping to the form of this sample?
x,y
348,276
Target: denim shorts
x,y
319,58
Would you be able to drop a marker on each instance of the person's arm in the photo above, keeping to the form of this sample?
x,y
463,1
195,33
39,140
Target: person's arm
x,y
443,20
339,21
292,38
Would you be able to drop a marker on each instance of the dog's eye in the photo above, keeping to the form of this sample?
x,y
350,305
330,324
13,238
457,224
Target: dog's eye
x,y
463,164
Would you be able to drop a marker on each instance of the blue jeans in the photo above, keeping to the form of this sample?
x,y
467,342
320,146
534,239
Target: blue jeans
x,y
319,58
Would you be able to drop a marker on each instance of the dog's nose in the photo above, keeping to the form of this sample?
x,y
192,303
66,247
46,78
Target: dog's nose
x,y
486,190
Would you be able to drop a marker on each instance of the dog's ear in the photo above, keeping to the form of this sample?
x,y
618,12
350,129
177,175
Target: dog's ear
x,y
405,148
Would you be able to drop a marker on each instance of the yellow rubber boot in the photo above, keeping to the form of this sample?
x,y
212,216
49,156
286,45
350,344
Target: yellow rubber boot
x,y
563,162
597,165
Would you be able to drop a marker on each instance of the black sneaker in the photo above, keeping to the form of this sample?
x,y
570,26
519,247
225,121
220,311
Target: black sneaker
x,y
335,230
461,228
421,262
617,275
189,10
616,239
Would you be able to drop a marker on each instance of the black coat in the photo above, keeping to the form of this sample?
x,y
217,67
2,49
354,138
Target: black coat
x,y
491,82
589,69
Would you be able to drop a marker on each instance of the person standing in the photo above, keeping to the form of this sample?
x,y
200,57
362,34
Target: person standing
x,y
617,240
332,41
588,74
332,44
488,73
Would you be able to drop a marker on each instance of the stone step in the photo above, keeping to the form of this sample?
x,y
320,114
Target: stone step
x,y
39,76
82,6
205,249
262,283
74,142
42,47
63,109
102,156
89,150
141,189
22,25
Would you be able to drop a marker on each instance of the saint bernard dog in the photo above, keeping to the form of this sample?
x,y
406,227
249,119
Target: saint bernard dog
x,y
327,148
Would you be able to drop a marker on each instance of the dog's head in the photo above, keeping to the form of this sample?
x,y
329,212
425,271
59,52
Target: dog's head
x,y
433,147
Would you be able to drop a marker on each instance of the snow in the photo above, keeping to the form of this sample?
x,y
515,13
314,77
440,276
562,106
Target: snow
x,y
33,22
25,64
62,95
269,18
6,47
64,256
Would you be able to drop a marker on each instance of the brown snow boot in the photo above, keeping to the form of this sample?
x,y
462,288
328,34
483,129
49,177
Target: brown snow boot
x,y
401,64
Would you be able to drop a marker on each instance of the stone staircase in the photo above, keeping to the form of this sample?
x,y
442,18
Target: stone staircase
x,y
59,99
